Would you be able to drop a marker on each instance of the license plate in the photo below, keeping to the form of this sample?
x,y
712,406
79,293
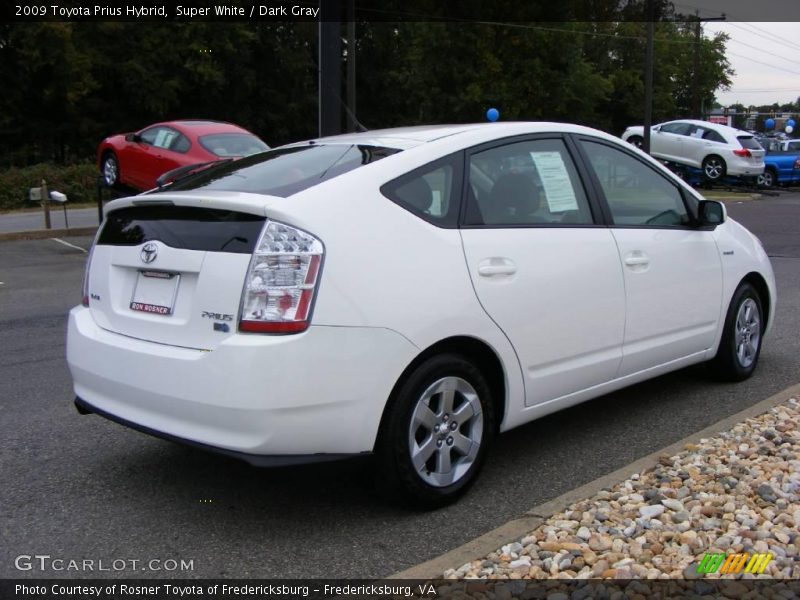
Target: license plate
x,y
155,292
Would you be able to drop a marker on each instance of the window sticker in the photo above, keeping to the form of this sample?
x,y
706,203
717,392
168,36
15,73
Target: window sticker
x,y
555,180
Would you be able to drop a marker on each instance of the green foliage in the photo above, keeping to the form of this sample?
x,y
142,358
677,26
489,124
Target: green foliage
x,y
68,85
76,181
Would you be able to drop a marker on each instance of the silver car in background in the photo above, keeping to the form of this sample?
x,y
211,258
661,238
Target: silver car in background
x,y
718,150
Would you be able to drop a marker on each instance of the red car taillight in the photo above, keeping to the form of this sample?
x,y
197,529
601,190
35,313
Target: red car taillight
x,y
281,281
742,152
797,164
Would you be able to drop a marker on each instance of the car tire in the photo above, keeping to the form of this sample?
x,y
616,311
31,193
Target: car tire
x,y
767,179
637,141
425,456
109,169
740,346
714,168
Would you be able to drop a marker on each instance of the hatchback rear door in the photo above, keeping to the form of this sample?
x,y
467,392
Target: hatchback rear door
x,y
172,274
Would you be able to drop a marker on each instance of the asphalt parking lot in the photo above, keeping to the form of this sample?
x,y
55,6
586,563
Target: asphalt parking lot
x,y
80,487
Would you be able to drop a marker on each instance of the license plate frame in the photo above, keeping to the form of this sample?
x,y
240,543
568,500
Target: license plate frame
x,y
155,292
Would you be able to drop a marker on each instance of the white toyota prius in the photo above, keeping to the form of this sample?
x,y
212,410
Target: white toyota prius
x,y
409,293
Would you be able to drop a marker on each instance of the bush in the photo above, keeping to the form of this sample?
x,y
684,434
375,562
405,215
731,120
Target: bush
x,y
77,181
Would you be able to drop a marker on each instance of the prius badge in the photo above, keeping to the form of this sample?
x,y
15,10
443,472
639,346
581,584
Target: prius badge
x,y
149,253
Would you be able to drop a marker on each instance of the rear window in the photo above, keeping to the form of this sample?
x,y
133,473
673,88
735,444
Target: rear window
x,y
285,171
186,227
232,144
749,142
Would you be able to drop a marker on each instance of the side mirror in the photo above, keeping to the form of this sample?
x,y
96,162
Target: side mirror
x,y
133,137
711,213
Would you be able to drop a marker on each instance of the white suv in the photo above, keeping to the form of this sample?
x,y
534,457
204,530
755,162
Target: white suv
x,y
718,150
408,293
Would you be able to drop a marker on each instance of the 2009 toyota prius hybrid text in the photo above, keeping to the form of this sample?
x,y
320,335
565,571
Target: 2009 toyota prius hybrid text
x,y
408,293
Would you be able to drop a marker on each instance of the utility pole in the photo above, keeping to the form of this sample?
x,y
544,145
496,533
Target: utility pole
x,y
351,66
696,107
330,68
648,77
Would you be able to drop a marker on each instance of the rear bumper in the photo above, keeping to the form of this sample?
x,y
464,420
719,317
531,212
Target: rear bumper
x,y
256,460
739,170
265,399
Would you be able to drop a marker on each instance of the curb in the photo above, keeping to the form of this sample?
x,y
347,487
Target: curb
x,y
41,234
747,197
531,519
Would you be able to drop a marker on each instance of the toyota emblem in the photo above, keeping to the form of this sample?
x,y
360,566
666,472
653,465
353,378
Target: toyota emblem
x,y
149,253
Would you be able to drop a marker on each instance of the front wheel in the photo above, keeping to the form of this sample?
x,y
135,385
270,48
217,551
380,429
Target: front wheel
x,y
714,168
110,169
740,345
435,438
637,141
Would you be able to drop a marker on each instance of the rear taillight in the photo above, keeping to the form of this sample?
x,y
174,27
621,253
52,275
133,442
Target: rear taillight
x,y
281,281
797,164
85,298
742,152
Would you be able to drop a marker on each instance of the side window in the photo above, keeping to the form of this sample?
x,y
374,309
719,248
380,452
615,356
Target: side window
x,y
713,136
636,193
180,144
525,183
676,128
149,135
165,137
430,192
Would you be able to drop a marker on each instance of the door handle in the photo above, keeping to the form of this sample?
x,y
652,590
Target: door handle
x,y
636,259
492,267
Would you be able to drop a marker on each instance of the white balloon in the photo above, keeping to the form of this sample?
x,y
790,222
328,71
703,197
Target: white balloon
x,y
789,129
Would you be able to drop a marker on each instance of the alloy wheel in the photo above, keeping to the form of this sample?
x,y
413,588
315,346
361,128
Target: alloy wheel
x,y
748,332
445,432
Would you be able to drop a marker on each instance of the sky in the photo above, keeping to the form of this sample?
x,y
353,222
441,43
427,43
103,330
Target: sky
x,y
766,58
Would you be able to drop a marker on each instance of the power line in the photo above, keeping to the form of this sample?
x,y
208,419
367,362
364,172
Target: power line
x,y
762,50
764,63
773,36
768,36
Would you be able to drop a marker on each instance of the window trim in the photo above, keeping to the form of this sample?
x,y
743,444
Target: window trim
x,y
690,207
594,208
452,218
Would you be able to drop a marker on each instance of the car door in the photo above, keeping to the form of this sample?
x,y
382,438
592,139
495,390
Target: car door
x,y
672,269
175,155
143,158
667,142
700,142
543,269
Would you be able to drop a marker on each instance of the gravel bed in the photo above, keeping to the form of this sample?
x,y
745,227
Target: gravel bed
x,y
736,492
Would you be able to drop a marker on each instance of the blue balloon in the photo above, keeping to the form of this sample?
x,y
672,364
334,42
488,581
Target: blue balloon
x,y
493,114
791,123
769,123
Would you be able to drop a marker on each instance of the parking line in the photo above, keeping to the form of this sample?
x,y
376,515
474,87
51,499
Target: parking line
x,y
60,241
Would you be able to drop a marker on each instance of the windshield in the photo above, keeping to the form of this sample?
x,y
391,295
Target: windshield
x,y
232,144
285,171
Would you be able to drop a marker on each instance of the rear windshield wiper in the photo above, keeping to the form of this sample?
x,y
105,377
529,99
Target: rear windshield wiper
x,y
181,173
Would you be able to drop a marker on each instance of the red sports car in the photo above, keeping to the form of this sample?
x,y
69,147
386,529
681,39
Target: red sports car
x,y
138,159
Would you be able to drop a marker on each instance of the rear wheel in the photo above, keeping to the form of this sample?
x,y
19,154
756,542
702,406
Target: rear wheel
x,y
109,168
714,168
740,345
767,178
435,438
